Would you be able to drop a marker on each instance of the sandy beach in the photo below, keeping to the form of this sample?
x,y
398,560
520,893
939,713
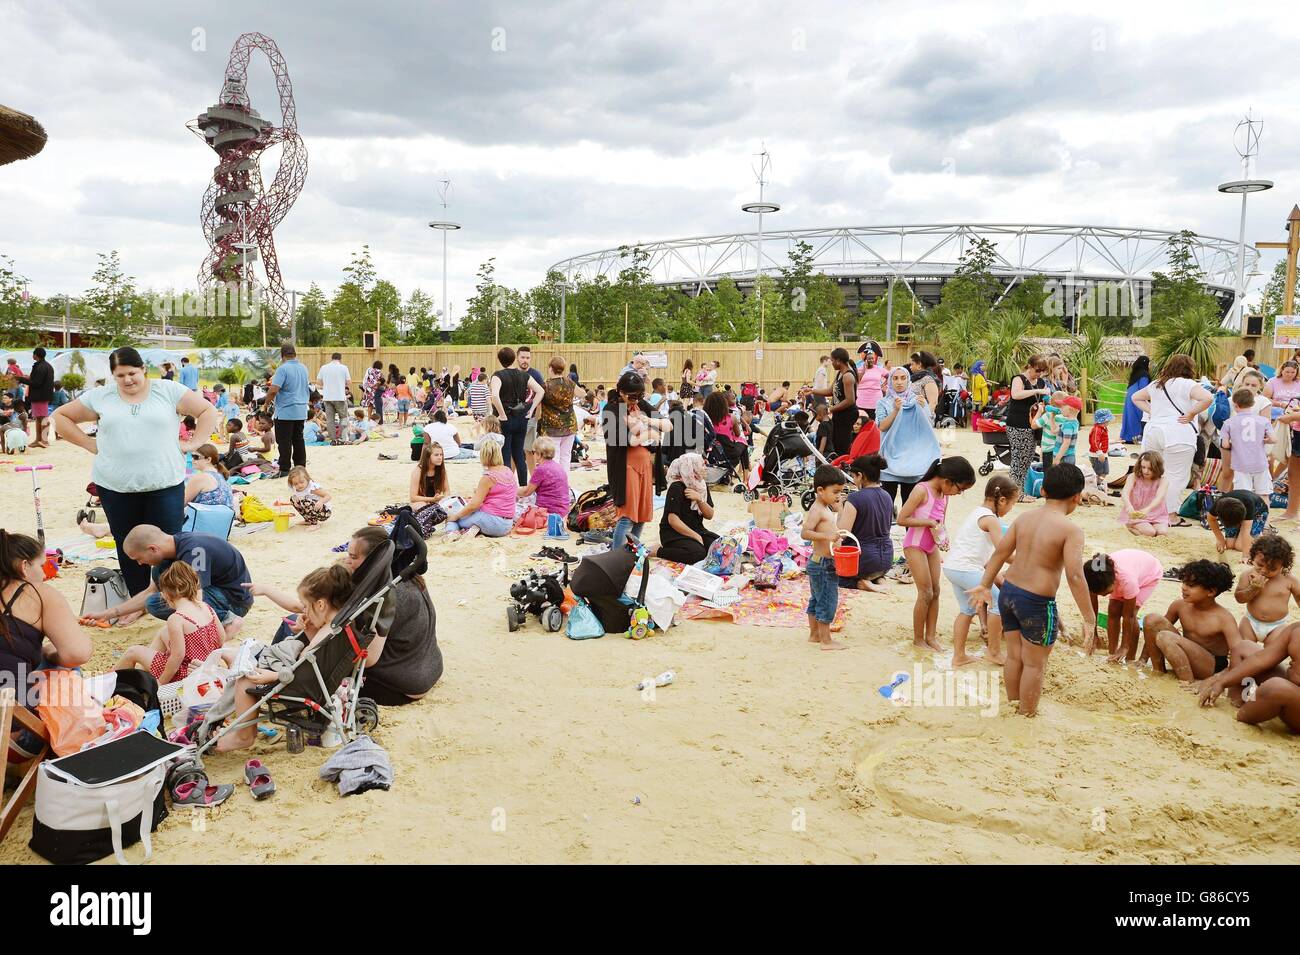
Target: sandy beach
x,y
536,748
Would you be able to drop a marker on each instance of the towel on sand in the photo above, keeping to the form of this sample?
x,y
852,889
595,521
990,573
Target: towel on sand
x,y
360,765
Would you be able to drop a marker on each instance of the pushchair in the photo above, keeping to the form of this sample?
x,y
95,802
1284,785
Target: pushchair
x,y
784,471
307,694
954,408
991,425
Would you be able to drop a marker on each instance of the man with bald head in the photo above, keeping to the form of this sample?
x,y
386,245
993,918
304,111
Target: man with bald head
x,y
220,568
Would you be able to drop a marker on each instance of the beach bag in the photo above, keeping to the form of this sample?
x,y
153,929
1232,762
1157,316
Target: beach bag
x,y
105,588
214,519
15,440
723,558
429,517
1033,481
95,804
534,519
253,511
767,574
205,684
1192,505
69,711
594,510
583,624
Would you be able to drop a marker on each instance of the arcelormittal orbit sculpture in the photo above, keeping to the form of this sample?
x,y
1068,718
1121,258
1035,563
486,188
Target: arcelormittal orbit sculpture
x,y
237,208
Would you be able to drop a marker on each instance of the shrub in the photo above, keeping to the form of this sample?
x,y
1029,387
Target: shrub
x,y
228,376
73,382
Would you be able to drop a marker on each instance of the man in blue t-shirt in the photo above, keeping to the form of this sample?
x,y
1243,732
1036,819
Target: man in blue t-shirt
x,y
219,566
291,392
189,375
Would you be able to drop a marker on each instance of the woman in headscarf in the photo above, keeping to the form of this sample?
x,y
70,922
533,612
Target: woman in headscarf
x,y
908,441
682,534
979,385
1131,426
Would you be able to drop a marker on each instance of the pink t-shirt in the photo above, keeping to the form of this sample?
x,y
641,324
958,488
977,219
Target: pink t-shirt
x,y
552,481
1284,392
1136,575
503,494
871,383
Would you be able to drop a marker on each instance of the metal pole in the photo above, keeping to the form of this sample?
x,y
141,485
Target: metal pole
x,y
1239,305
625,323
67,317
446,314
889,313
758,259
496,334
563,289
293,318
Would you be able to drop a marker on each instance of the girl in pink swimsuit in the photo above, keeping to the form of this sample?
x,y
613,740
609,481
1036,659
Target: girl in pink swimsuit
x,y
922,515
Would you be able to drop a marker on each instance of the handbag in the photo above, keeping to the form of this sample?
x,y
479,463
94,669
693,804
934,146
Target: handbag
x,y
95,804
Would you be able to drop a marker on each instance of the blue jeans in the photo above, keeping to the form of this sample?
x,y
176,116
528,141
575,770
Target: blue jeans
x,y
489,525
218,600
621,527
823,589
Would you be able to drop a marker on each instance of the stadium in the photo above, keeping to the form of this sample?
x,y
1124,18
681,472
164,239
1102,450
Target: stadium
x,y
865,259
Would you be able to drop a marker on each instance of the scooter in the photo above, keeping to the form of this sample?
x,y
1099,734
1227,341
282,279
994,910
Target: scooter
x,y
36,496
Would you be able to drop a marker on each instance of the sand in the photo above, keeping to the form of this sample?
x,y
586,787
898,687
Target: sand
x,y
535,748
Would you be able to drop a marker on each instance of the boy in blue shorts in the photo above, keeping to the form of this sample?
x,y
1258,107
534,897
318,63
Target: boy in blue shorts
x,y
820,529
1045,542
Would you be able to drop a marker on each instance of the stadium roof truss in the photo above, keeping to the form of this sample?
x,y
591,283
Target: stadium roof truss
x,y
916,252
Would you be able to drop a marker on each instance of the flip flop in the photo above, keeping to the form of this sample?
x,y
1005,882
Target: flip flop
x,y
192,794
1181,523
259,779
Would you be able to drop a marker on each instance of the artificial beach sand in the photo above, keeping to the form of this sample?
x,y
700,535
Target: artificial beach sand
x,y
535,748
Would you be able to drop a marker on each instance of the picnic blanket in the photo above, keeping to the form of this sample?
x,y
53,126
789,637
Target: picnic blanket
x,y
786,605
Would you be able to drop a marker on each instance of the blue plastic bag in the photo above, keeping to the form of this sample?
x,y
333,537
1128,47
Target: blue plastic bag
x,y
583,623
1033,481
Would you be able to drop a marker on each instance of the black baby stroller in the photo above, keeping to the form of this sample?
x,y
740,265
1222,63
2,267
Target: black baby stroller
x,y
788,462
954,408
306,695
600,580
541,595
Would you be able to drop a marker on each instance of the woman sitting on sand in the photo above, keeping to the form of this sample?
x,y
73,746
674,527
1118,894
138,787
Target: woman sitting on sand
x,y
429,485
207,485
406,664
491,510
682,534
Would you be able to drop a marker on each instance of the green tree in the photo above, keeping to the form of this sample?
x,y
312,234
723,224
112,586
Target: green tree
x,y
112,315
1178,297
418,320
311,317
1273,298
17,326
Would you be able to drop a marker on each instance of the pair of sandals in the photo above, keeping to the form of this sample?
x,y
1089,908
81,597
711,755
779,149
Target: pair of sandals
x,y
193,792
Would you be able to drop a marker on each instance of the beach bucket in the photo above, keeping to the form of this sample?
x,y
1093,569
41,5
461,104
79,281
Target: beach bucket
x,y
846,558
281,521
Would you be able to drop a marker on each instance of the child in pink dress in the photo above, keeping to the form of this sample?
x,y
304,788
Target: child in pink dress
x,y
922,514
1145,512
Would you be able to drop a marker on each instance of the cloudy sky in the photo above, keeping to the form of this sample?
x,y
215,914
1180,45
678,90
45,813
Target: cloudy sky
x,y
572,126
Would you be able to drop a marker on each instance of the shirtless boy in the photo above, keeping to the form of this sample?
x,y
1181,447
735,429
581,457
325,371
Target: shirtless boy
x,y
1209,631
1256,682
1267,587
820,528
1045,542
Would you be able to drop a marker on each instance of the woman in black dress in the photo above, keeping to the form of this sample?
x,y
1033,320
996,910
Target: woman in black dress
x,y
682,534
843,394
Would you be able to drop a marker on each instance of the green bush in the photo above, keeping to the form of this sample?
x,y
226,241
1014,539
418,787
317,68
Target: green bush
x,y
228,376
73,382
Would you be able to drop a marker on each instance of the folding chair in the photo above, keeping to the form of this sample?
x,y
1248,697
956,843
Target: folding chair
x,y
11,713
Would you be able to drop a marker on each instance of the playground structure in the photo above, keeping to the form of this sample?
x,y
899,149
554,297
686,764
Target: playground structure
x,y
240,214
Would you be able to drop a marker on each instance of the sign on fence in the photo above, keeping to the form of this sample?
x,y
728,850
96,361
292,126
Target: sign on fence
x,y
1286,332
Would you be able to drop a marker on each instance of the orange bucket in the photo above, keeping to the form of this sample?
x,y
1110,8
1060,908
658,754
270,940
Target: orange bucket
x,y
846,558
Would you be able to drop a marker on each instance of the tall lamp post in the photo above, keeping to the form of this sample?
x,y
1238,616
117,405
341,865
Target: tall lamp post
x,y
761,208
444,226
1247,142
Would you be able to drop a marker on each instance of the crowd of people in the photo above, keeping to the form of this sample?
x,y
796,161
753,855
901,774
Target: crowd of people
x,y
873,459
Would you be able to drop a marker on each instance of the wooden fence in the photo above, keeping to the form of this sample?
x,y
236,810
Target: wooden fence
x,y
769,365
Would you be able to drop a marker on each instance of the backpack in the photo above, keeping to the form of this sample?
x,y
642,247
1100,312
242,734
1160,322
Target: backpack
x,y
253,511
723,558
749,389
594,510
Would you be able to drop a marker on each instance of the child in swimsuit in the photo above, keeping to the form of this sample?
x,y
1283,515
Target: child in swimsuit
x,y
923,515
1209,631
1267,587
191,633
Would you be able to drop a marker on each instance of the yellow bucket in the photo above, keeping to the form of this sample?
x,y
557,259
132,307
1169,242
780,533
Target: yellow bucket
x,y
281,522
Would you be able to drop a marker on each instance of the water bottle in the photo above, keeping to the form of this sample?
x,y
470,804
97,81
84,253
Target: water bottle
x,y
663,679
294,740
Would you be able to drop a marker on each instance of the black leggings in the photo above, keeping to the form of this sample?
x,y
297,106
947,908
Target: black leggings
x,y
293,450
903,486
165,509
514,430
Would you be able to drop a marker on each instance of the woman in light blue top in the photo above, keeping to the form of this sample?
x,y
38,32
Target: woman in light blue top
x,y
908,443
139,468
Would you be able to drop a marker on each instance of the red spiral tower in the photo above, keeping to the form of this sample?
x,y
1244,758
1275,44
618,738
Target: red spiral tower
x,y
237,203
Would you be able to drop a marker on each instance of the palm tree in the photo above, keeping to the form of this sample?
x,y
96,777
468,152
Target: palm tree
x,y
1191,332
1088,353
1004,346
